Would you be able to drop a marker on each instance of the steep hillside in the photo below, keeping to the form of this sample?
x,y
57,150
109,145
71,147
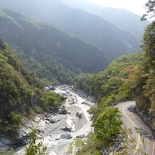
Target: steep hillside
x,y
123,19
22,97
89,27
142,80
48,51
17,86
110,86
126,78
16,82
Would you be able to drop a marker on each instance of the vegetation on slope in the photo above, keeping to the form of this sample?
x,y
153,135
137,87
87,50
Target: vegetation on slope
x,y
50,53
129,77
110,85
123,19
88,26
20,91
107,127
137,81
143,83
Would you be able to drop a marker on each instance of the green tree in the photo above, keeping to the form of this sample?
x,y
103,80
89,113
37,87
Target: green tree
x,y
107,126
33,147
150,10
9,152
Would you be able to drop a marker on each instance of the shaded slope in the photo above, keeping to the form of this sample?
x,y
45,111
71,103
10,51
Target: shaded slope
x,y
89,27
22,95
110,84
49,48
123,19
17,87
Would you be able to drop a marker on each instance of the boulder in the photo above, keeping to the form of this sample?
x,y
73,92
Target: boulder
x,y
66,136
69,123
54,120
63,110
80,136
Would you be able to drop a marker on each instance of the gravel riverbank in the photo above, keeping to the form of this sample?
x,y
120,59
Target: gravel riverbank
x,y
55,135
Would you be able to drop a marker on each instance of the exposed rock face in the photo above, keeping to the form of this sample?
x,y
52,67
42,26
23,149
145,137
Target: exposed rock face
x,y
65,136
51,126
63,110
8,142
4,142
148,119
69,123
19,136
84,95
22,137
39,122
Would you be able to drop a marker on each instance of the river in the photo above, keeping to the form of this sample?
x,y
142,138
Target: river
x,y
54,134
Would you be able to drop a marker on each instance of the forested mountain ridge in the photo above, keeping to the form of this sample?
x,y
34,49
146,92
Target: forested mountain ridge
x,y
90,27
129,77
16,82
110,86
22,94
123,19
57,57
49,52
142,80
16,87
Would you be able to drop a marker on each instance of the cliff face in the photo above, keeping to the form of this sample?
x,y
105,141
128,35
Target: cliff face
x,y
49,52
22,97
112,31
145,85
17,95
17,84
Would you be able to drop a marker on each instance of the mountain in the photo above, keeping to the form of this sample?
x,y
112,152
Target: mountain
x,y
17,87
22,97
109,86
142,80
130,77
89,27
123,19
48,51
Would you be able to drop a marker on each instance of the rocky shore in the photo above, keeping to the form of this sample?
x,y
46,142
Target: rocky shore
x,y
58,130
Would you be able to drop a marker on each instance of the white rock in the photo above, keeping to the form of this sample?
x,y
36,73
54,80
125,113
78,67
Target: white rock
x,y
36,118
52,153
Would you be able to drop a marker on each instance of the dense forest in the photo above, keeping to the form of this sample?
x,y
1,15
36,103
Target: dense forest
x,y
49,52
110,84
129,77
41,54
109,87
142,81
115,36
21,92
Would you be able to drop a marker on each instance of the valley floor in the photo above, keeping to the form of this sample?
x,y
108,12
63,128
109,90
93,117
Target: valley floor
x,y
55,135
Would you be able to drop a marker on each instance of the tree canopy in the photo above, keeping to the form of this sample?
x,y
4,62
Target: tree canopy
x,y
21,91
150,10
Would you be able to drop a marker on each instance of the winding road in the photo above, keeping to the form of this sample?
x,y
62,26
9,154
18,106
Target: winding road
x,y
144,140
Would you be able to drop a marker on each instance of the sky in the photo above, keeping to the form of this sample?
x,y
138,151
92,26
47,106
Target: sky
x,y
136,6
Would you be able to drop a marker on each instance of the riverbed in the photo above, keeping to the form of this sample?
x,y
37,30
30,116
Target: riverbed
x,y
55,135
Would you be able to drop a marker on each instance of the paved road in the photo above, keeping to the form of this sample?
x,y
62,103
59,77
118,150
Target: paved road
x,y
144,138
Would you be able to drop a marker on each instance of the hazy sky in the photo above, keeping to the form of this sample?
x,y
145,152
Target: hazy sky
x,y
135,6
